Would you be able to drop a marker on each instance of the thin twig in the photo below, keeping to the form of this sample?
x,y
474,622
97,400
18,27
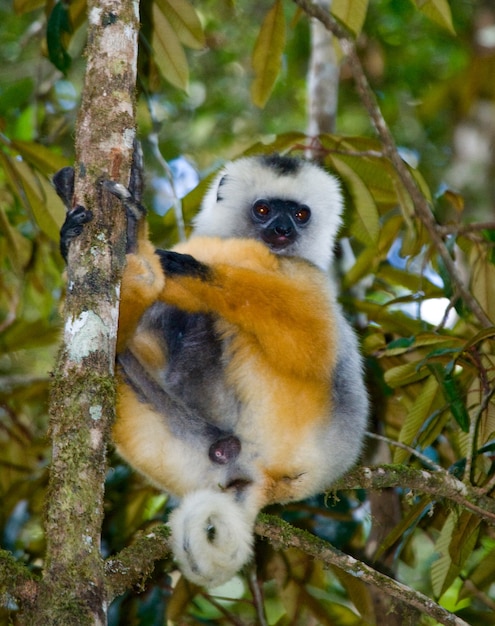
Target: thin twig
x,y
464,229
412,451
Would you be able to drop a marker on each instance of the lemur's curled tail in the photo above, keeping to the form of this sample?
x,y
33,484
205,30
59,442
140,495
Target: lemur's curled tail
x,y
212,536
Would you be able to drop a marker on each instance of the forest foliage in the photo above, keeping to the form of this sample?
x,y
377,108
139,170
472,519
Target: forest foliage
x,y
416,268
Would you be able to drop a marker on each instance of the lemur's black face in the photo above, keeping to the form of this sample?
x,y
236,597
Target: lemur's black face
x,y
278,223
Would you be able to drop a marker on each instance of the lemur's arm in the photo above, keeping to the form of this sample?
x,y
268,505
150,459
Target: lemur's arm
x,y
284,303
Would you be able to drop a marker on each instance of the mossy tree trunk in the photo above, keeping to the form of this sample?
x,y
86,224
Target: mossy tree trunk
x,y
72,590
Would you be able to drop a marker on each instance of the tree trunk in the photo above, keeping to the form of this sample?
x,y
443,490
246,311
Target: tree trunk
x,y
72,589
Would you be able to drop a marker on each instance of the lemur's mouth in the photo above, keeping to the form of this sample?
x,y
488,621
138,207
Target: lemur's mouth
x,y
276,241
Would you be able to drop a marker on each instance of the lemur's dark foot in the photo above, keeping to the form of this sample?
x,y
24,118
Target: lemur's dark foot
x,y
76,217
73,227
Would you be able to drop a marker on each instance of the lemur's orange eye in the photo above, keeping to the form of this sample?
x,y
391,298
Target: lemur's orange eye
x,y
302,214
261,209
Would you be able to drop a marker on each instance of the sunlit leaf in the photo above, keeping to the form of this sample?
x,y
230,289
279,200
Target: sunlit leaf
x,y
438,11
404,375
169,54
351,13
365,224
184,20
267,54
483,281
38,196
364,265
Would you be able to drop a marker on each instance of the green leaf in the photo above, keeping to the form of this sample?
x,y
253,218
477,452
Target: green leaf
x,y
169,54
15,95
57,27
351,13
267,54
184,20
437,11
452,394
404,374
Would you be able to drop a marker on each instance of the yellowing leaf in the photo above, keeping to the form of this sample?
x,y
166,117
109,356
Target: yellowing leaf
x,y
351,13
169,55
19,248
37,195
454,545
41,157
483,281
421,409
184,20
365,224
25,6
438,11
267,54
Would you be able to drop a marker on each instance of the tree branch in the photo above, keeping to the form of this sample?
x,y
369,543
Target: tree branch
x,y
16,581
282,533
439,484
422,208
135,563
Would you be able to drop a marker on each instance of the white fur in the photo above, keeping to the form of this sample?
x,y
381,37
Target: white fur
x,y
212,537
249,179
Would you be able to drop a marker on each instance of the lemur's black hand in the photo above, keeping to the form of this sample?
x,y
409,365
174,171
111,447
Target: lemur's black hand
x,y
175,263
135,210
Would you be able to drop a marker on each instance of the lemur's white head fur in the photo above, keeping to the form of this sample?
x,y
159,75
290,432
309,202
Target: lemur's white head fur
x,y
225,211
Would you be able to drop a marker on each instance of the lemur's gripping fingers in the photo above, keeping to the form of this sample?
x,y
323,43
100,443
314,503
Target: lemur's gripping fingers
x,y
135,210
73,227
177,264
